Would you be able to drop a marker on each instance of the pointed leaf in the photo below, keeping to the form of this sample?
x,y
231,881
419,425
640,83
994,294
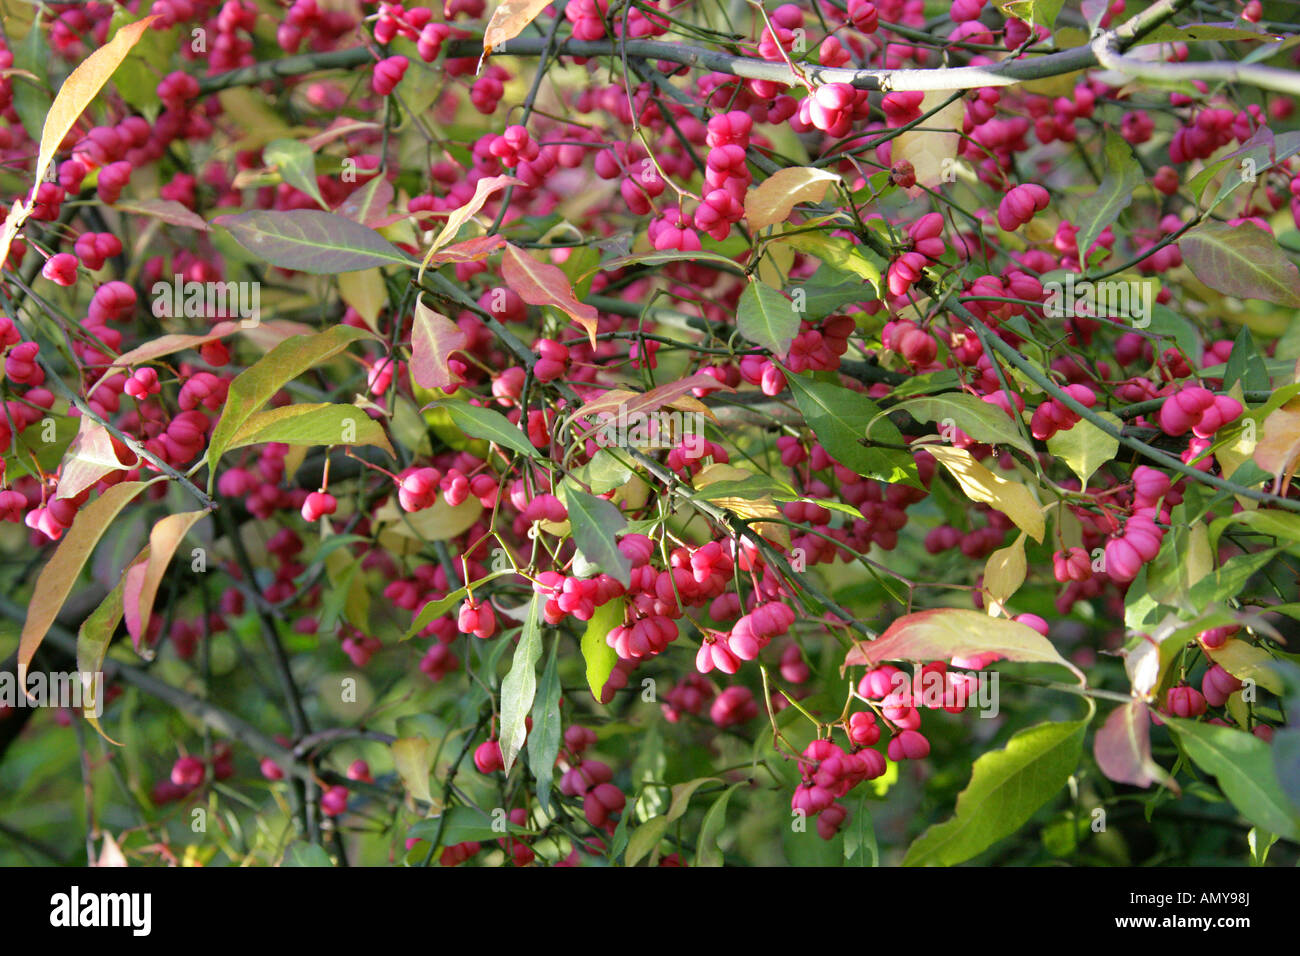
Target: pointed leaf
x,y
981,485
256,385
520,684
164,539
1006,788
434,337
311,240
774,199
544,738
1099,210
767,318
941,634
479,422
314,424
839,418
595,522
540,284
297,165
508,21
62,570
601,659
1242,261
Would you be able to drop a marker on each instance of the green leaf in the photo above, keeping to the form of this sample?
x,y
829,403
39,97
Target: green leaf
x,y
297,165
767,318
1245,364
708,853
464,824
1085,447
1122,176
821,299
600,657
520,684
860,837
311,240
413,757
603,473
1035,12
1006,788
544,738
256,385
94,636
32,101
841,254
1167,322
1242,261
839,418
1243,766
478,422
436,609
980,420
594,523
313,424
303,853
644,839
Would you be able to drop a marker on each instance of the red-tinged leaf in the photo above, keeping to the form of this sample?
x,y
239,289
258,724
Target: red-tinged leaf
x,y
482,192
433,338
62,570
508,21
168,210
311,241
1278,448
369,204
89,458
540,284
1123,748
471,250
143,579
943,633
1242,260
610,402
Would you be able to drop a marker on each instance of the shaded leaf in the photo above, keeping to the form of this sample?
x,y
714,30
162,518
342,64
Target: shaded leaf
x,y
981,485
595,522
1006,787
1123,748
1242,260
61,571
479,422
520,684
311,240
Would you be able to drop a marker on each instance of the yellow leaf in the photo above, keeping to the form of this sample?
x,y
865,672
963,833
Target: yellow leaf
x,y
931,149
1245,661
774,199
413,758
365,292
81,86
70,102
1004,572
979,484
750,508
508,21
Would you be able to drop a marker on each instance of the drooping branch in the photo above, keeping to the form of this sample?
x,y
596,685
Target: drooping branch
x,y
1005,73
